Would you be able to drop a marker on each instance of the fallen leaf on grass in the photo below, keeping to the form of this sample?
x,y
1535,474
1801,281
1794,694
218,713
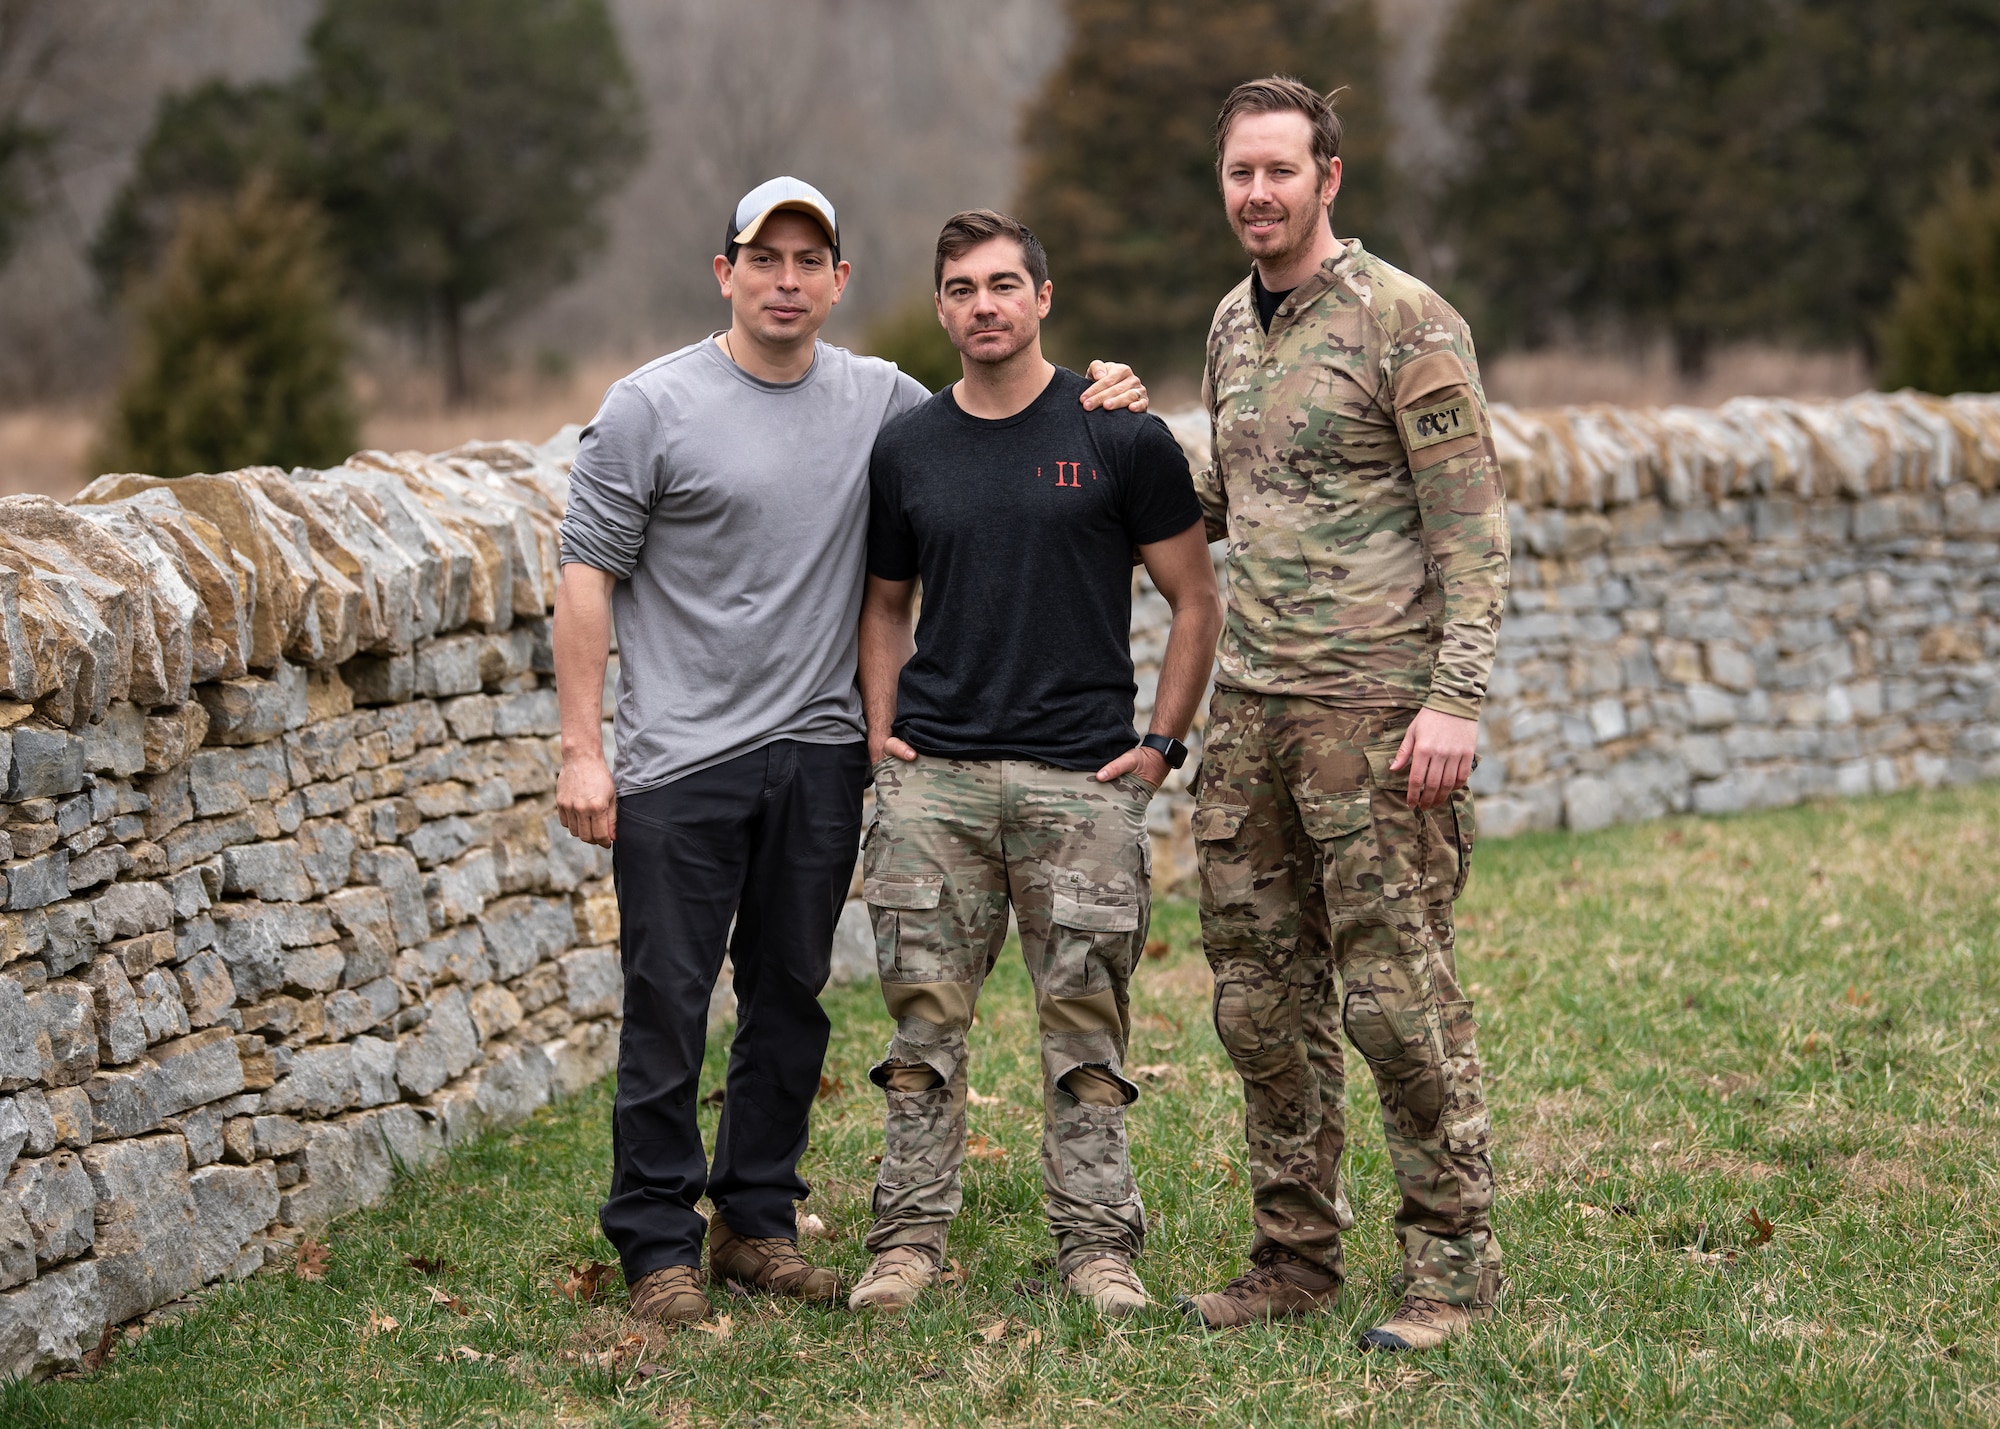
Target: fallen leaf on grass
x,y
1032,1337
934,1372
1711,1257
1859,997
977,1099
1624,1208
1830,921
380,1324
955,1275
1762,1229
1153,1071
587,1283
831,1087
647,1370
424,1265
467,1352
1157,948
995,1332
736,1290
984,1148
309,1261
813,1228
722,1329
449,1301
1026,1288
714,1098
94,1358
1586,1210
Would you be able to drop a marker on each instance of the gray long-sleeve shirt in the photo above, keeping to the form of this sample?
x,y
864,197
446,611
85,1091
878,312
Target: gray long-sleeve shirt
x,y
734,513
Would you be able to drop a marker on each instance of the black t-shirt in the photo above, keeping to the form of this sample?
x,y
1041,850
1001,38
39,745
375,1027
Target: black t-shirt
x,y
1022,530
1268,302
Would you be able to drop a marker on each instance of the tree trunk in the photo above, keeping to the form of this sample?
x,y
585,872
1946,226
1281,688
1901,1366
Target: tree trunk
x,y
1691,351
457,390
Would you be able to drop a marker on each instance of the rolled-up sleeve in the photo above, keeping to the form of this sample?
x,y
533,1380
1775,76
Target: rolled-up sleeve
x,y
613,484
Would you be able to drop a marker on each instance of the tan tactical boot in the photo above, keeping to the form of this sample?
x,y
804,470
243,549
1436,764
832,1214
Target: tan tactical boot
x,y
1420,1324
1107,1282
766,1263
671,1296
1277,1286
894,1280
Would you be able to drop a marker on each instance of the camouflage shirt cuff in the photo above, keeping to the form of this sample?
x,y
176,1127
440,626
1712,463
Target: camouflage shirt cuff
x,y
1452,705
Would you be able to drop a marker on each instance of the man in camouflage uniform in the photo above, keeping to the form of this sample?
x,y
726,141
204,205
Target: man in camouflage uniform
x,y
1356,484
1005,762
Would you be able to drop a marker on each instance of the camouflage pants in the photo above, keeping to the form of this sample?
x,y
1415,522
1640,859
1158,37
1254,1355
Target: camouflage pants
x,y
1326,903
953,843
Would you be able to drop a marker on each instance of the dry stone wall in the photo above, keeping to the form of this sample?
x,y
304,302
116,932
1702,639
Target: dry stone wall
x,y
1727,609
284,903
285,900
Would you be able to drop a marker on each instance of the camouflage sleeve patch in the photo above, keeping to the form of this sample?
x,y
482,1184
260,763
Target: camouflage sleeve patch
x,y
1443,422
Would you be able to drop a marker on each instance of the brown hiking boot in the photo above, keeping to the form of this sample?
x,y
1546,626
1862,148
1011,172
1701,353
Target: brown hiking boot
x,y
894,1280
1420,1324
671,1296
766,1263
1107,1282
1276,1286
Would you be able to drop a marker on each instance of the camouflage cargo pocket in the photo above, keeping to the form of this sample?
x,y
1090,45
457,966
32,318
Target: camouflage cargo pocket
x,y
1467,1127
1096,932
920,1137
1343,827
1227,877
1448,835
1091,1153
909,926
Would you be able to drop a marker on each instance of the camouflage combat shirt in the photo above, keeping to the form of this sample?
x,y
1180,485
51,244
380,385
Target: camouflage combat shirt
x,y
1356,482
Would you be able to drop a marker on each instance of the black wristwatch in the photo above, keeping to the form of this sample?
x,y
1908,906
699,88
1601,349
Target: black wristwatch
x,y
1169,748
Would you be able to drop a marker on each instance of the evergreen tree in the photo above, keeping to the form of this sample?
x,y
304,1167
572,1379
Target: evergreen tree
x,y
914,339
1942,333
461,151
240,355
204,144
1119,176
1706,169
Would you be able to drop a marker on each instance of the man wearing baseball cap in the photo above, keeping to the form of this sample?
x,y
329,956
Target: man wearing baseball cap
x,y
717,519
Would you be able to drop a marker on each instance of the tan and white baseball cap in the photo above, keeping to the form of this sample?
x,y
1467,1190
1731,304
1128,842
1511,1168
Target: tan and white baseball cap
x,y
776,196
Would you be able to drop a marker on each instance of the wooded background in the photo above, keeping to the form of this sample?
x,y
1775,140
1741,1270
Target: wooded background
x,y
1674,178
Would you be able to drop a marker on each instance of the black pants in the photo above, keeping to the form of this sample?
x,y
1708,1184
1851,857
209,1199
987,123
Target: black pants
x,y
768,838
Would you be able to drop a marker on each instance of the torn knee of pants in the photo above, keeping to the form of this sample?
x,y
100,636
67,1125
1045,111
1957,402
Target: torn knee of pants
x,y
1087,1060
905,1077
918,1043
1098,1086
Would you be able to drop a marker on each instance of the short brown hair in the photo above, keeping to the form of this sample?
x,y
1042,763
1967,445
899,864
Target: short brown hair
x,y
1281,94
965,231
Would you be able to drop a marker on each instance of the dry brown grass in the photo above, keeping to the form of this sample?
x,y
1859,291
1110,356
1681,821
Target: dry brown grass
x,y
48,449
1646,378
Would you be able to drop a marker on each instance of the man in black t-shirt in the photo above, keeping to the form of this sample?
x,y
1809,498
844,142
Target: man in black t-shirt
x,y
1006,767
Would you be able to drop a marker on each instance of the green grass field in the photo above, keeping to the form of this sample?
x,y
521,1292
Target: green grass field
x,y
1746,1081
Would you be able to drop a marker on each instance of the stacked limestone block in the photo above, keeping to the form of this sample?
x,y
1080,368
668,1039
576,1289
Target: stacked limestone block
x,y
1726,609
286,902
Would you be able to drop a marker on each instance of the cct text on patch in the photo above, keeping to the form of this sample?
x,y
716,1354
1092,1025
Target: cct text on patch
x,y
1427,426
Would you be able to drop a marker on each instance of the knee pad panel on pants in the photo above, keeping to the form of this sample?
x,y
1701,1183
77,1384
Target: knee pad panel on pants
x,y
1253,1015
1400,1043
